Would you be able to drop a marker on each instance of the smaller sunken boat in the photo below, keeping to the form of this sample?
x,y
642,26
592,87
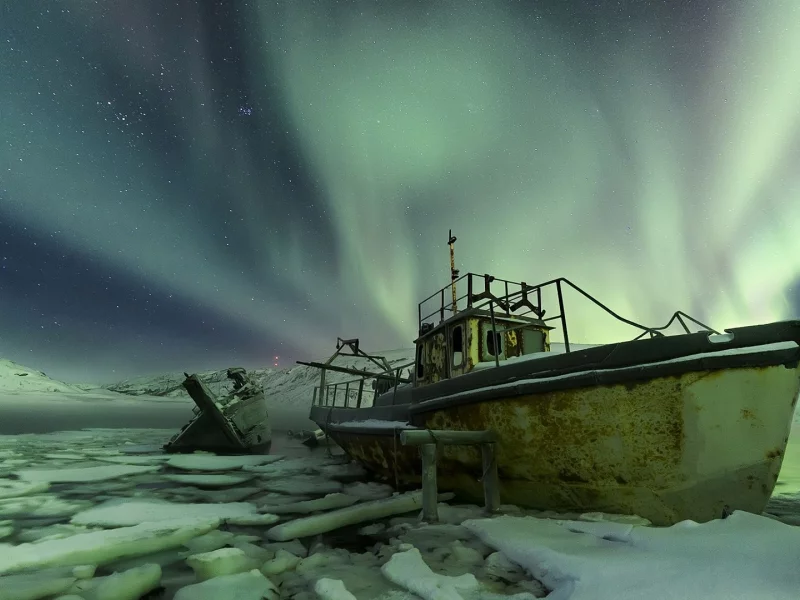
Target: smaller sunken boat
x,y
237,423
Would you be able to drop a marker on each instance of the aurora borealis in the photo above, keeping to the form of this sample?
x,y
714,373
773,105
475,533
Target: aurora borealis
x,y
202,184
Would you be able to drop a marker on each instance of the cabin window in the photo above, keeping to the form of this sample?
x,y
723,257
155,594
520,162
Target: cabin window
x,y
532,341
420,361
458,345
494,343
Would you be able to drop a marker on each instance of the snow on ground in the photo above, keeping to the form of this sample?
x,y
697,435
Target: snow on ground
x,y
292,386
16,378
85,536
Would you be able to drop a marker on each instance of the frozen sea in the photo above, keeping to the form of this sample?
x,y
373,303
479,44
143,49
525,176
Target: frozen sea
x,y
90,508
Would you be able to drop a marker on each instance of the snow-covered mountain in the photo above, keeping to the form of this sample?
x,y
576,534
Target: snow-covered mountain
x,y
292,386
16,378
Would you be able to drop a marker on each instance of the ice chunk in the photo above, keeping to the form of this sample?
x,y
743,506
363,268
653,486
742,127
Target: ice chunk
x,y
156,459
328,502
31,586
127,585
12,488
297,466
64,456
83,571
117,513
224,561
743,556
293,546
351,515
212,462
283,561
301,484
188,494
242,586
46,505
332,589
51,532
102,547
102,473
277,499
409,571
208,480
369,490
210,541
498,566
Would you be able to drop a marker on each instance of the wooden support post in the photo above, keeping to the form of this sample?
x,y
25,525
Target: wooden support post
x,y
418,437
491,482
430,491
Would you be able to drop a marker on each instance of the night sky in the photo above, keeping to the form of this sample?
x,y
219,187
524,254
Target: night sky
x,y
197,184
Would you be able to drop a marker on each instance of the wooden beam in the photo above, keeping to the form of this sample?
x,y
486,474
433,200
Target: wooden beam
x,y
419,437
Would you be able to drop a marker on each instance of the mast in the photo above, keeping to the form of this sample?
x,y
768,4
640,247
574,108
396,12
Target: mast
x,y
453,270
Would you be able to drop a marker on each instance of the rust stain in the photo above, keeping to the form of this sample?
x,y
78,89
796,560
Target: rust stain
x,y
775,453
748,414
614,448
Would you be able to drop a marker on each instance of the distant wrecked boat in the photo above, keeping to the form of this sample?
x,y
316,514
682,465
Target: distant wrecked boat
x,y
235,423
668,427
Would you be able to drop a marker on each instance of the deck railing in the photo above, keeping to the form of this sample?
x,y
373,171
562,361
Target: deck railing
x,y
521,299
354,393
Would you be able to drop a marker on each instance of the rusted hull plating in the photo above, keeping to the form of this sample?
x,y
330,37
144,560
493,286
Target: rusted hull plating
x,y
668,449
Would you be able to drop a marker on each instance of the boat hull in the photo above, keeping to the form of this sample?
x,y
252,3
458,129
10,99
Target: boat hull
x,y
681,446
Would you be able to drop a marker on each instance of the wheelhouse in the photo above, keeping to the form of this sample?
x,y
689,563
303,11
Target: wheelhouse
x,y
490,329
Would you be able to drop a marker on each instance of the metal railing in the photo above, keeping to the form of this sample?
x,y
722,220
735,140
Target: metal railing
x,y
520,299
353,393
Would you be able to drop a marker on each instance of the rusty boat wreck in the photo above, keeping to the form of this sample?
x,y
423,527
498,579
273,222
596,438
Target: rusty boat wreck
x,y
668,427
233,423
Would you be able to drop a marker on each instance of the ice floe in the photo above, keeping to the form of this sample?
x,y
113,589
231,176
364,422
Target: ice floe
x,y
121,513
212,462
12,488
102,473
745,556
206,480
223,561
100,547
252,585
127,585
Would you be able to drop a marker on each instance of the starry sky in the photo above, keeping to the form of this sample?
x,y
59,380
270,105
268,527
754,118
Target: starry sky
x,y
196,184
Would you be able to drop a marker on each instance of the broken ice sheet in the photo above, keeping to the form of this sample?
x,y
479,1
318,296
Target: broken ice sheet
x,y
13,488
328,502
206,480
744,556
102,547
126,585
102,473
46,505
212,462
242,586
156,459
303,484
52,532
123,512
30,586
223,561
311,465
188,494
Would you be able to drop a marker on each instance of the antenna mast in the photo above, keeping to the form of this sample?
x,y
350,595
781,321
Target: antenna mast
x,y
453,270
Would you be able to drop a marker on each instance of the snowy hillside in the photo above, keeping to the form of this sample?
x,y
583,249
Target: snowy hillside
x,y
293,386
16,378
